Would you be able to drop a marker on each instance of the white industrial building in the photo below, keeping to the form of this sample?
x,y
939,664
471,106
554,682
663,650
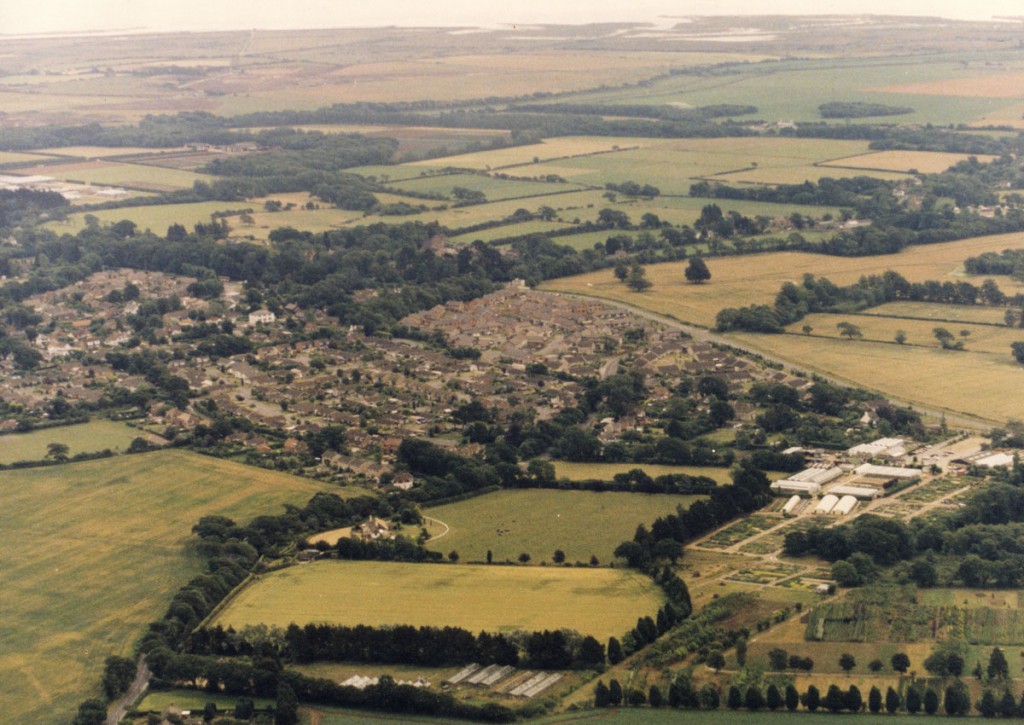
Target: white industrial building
x,y
994,460
806,483
881,448
825,506
864,493
890,472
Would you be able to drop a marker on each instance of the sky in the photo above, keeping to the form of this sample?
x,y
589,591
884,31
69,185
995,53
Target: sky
x,y
59,16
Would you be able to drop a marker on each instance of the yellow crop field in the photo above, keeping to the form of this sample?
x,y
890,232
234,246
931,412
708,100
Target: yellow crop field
x,y
996,85
756,279
973,383
926,162
100,152
93,552
16,157
598,601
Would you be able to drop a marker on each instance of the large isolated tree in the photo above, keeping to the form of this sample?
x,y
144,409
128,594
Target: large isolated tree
x,y
697,271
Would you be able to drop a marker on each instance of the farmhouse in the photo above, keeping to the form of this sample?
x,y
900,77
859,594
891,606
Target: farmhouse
x,y
372,529
261,317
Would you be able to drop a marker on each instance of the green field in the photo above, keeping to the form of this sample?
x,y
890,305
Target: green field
x,y
793,89
85,438
598,601
111,173
156,218
606,471
580,523
674,164
511,230
195,700
493,188
93,552
995,340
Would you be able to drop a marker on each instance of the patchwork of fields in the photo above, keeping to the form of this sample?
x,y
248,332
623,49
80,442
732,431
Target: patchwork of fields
x,y
598,601
93,552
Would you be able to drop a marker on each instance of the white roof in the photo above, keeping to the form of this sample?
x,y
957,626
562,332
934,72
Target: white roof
x,y
818,475
995,460
791,504
878,447
869,469
826,504
856,491
846,505
788,485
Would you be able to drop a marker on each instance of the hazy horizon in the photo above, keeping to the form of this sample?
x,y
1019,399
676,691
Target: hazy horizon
x,y
67,16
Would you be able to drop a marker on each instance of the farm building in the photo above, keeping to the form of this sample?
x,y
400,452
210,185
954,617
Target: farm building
x,y
992,460
888,472
882,448
826,505
791,505
864,493
845,506
806,483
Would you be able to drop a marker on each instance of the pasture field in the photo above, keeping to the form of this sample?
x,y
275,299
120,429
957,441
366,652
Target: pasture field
x,y
131,176
598,601
538,521
972,383
940,312
995,340
493,188
551,149
794,89
926,162
606,471
194,700
510,230
674,164
88,437
156,218
756,279
93,552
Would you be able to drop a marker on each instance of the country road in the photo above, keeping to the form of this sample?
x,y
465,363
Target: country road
x,y
703,334
120,708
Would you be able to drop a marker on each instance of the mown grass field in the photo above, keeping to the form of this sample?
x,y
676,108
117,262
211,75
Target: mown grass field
x,y
756,279
580,523
940,312
110,173
547,150
598,601
606,471
16,157
88,437
995,340
93,552
510,230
